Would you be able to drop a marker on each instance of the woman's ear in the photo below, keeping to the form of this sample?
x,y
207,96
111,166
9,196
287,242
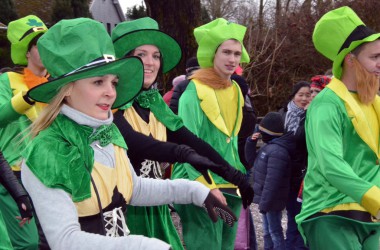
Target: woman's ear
x,y
69,89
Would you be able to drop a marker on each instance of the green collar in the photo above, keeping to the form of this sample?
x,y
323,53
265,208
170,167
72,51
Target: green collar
x,y
152,100
61,156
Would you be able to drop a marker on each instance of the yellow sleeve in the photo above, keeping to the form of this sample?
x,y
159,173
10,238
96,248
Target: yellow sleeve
x,y
202,180
371,201
19,104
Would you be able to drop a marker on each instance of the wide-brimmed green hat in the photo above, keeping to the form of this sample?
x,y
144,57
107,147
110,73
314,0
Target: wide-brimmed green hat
x,y
129,35
339,32
211,35
81,48
20,33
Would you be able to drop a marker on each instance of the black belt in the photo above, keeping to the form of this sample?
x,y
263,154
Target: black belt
x,y
351,214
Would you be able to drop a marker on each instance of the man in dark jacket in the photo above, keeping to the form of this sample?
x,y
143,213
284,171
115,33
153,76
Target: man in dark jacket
x,y
191,65
271,175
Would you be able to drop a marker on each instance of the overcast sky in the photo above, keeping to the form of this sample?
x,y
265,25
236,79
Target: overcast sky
x,y
129,3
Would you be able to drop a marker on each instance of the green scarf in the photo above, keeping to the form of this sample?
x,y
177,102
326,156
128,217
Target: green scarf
x,y
152,100
61,155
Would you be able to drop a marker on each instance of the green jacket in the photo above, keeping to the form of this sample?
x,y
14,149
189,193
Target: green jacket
x,y
343,163
200,113
15,115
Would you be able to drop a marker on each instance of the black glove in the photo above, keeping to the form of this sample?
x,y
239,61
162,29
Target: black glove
x,y
200,163
27,99
28,211
237,178
215,208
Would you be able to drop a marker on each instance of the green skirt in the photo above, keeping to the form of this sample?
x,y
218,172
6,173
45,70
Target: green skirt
x,y
153,222
5,242
25,237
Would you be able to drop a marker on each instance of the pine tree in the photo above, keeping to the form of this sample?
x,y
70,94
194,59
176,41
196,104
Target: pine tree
x,y
136,12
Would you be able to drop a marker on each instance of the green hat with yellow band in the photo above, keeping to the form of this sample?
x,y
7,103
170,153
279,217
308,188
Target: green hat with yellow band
x,y
81,48
20,33
339,32
211,35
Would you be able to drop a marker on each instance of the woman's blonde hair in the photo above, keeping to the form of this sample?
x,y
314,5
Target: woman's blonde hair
x,y
50,112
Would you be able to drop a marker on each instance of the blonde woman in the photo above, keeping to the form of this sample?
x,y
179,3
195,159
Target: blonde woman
x,y
76,169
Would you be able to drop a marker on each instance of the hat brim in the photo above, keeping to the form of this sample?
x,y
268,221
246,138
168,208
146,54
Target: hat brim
x,y
205,54
337,64
128,69
169,48
19,50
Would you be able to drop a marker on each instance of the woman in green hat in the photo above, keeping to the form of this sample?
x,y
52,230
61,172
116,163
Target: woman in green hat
x,y
17,113
148,114
211,107
341,195
76,169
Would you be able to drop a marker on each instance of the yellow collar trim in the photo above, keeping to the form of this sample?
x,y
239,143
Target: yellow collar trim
x,y
356,114
209,105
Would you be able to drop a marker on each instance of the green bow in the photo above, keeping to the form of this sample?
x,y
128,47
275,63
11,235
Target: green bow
x,y
145,98
103,134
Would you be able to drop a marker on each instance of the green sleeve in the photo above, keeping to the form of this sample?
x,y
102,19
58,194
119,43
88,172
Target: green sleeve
x,y
328,129
191,114
7,113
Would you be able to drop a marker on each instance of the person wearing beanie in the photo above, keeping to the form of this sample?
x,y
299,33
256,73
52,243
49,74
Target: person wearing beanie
x,y
191,66
17,113
341,196
211,107
271,175
318,83
148,116
168,95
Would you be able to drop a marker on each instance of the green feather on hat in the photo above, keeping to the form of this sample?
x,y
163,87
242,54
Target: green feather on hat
x,y
339,32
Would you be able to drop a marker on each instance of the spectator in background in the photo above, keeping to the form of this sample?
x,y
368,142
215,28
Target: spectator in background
x,y
191,66
318,83
271,175
293,115
168,96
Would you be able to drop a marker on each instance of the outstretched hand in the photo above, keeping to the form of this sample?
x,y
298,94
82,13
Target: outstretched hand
x,y
199,162
215,209
25,209
246,193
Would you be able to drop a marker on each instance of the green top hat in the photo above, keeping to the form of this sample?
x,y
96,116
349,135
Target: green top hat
x,y
211,35
81,48
129,35
339,32
20,33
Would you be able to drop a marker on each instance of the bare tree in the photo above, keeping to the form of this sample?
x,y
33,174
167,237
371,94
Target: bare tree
x,y
178,19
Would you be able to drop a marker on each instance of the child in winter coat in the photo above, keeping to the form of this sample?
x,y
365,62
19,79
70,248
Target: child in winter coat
x,y
271,175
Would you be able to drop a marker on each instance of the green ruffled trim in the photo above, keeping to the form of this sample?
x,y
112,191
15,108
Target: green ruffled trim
x,y
152,100
61,156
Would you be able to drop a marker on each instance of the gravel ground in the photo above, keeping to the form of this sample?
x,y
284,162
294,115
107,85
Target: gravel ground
x,y
257,222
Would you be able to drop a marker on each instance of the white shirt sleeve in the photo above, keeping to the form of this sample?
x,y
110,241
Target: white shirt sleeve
x,y
59,220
